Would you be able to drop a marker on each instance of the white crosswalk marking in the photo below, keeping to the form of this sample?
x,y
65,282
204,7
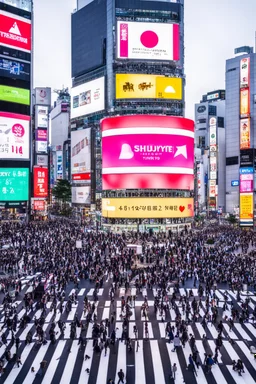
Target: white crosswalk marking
x,y
157,362
15,371
81,292
103,371
49,374
84,377
70,363
150,331
242,332
140,377
121,360
244,379
251,329
26,330
36,363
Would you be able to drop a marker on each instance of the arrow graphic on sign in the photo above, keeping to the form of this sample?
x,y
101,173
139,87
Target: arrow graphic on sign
x,y
181,150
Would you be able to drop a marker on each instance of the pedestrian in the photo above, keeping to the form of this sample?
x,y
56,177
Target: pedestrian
x,y
18,361
176,343
191,365
120,376
174,371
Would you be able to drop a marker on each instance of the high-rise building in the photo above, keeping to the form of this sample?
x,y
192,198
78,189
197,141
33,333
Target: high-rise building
x,y
210,158
128,65
15,106
240,134
60,137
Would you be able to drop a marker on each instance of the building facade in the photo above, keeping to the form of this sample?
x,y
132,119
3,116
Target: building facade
x,y
131,63
241,134
210,154
15,107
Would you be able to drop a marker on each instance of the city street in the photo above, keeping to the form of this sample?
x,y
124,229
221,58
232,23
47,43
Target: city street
x,y
151,363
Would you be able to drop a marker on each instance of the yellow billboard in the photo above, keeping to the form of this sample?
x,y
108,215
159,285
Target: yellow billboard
x,y
141,86
246,206
147,208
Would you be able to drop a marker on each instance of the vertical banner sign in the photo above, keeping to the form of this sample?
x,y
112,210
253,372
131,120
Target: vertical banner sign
x,y
245,134
123,39
244,72
40,182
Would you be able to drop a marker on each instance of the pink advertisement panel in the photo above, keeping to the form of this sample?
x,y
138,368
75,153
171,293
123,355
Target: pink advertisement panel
x,y
148,150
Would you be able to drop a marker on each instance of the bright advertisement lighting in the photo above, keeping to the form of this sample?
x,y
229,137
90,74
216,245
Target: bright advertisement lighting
x,y
246,206
41,115
14,136
129,86
81,195
147,151
41,134
15,32
14,184
39,205
148,208
14,95
147,41
245,72
88,98
81,151
246,179
14,69
244,102
41,146
245,134
40,182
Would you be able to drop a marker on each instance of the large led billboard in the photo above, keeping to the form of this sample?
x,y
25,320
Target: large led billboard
x,y
14,69
41,116
141,86
15,31
246,206
88,98
14,136
81,151
40,182
14,95
245,134
148,41
147,208
81,195
147,151
245,72
14,184
244,102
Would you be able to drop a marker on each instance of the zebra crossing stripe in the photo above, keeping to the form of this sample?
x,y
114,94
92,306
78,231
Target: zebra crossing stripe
x,y
103,371
105,314
247,352
84,377
15,371
140,376
242,332
174,359
70,363
244,379
36,363
251,329
157,362
49,374
81,292
121,360
26,330
231,334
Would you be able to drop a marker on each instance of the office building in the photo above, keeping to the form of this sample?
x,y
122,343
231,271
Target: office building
x,y
210,158
240,134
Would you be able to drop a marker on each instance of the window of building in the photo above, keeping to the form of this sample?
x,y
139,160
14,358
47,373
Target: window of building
x,y
232,160
212,110
221,122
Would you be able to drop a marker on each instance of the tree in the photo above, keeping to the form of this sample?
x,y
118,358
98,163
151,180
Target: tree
x,y
232,219
62,191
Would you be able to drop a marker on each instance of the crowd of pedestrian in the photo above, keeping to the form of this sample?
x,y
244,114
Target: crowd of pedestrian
x,y
52,253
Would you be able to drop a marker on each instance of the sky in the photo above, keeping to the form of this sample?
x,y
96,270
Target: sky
x,y
213,28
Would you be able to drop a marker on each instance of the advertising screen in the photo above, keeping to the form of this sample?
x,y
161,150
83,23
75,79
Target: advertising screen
x,y
14,184
14,136
22,4
244,102
147,41
81,151
245,134
39,205
247,157
43,96
129,86
41,146
40,182
41,115
42,160
147,208
88,98
81,195
14,69
15,31
41,134
246,206
147,151
14,95
244,72
246,179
